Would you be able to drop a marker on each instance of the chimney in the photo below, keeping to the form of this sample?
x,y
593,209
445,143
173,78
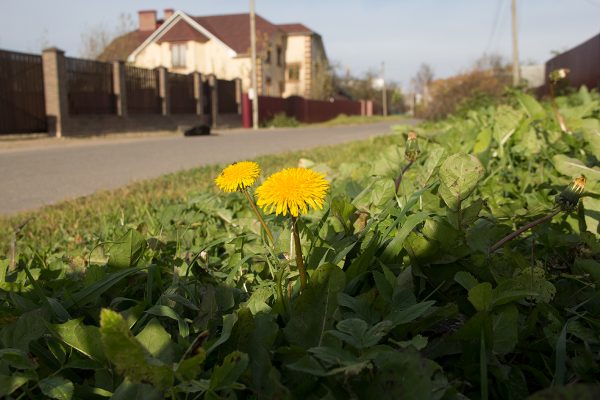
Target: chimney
x,y
168,13
147,20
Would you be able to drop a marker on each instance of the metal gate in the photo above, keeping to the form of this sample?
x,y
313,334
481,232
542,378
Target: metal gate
x,y
22,103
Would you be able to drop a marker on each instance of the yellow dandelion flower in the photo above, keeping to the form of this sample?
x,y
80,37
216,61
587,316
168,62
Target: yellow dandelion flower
x,y
238,176
292,190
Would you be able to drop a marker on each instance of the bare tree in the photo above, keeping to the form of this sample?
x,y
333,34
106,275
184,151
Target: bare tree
x,y
422,79
97,37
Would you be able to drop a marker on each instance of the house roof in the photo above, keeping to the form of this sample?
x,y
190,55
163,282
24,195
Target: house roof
x,y
234,30
295,28
181,32
120,48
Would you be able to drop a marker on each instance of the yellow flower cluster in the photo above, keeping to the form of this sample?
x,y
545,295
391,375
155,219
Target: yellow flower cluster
x,y
292,191
238,176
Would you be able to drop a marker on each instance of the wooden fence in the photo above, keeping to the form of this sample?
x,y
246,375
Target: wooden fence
x,y
142,90
59,94
303,110
90,87
21,93
181,88
583,61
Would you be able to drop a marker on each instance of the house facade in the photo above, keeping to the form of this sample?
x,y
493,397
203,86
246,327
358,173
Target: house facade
x,y
291,59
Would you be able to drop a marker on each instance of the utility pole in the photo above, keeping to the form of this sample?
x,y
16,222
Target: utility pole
x,y
253,66
515,45
384,91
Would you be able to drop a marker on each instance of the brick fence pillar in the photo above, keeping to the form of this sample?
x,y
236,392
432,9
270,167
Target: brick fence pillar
x,y
119,87
198,95
163,84
238,95
55,91
214,99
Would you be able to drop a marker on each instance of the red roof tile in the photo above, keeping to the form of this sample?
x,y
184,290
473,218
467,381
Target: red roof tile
x,y
294,28
182,32
234,30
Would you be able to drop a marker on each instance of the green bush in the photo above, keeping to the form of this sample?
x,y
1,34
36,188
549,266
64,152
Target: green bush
x,y
282,120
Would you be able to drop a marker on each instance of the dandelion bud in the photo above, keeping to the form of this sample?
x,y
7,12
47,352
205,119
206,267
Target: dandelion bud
x,y
412,147
558,74
568,199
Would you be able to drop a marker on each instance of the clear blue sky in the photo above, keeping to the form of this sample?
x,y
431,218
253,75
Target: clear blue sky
x,y
358,34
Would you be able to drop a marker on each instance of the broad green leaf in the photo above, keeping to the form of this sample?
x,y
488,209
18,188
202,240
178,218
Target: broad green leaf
x,y
30,326
312,312
465,279
506,122
572,167
16,358
357,333
157,341
10,383
418,342
481,296
226,374
484,139
591,207
459,175
83,338
128,250
506,328
531,105
128,355
588,266
192,367
396,245
136,391
229,321
164,311
591,133
409,314
57,387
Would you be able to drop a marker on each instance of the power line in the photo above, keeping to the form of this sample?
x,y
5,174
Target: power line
x,y
494,24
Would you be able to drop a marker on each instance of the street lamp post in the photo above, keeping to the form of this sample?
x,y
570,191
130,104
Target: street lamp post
x,y
253,66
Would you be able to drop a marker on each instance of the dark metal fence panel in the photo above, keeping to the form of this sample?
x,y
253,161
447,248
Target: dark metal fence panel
x,y
227,103
90,87
583,61
143,91
181,90
206,97
22,104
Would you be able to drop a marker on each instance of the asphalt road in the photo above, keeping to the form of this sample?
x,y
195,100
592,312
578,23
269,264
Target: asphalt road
x,y
37,175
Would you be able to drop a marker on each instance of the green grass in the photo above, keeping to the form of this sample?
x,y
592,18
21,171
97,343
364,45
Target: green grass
x,y
359,120
82,220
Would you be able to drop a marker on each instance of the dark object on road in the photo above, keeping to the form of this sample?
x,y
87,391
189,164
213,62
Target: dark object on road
x,y
197,130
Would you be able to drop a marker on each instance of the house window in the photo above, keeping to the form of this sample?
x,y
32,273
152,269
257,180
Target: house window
x,y
294,72
279,56
268,58
178,52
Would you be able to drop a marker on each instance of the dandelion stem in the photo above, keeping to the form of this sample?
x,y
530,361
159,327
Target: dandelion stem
x,y
399,178
298,254
259,216
523,229
557,114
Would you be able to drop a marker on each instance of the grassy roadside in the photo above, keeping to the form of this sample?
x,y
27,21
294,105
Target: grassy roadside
x,y
283,121
81,221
